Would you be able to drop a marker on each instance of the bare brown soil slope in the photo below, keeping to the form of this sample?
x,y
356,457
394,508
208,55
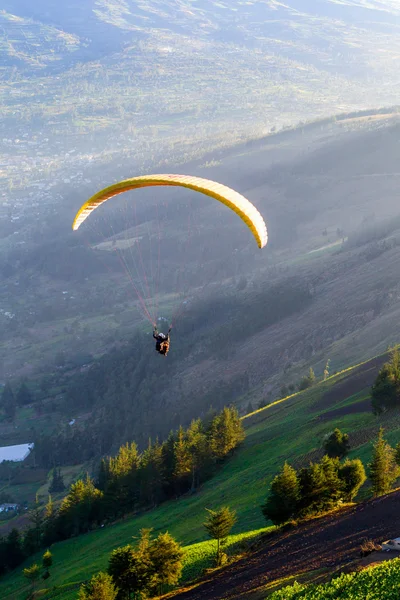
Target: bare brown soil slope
x,y
358,379
329,542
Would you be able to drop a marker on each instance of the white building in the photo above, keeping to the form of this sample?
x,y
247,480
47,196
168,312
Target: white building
x,y
15,453
8,507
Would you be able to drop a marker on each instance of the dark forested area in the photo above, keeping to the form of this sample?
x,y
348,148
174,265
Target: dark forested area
x,y
128,482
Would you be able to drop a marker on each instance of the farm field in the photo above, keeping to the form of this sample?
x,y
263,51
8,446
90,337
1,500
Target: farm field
x,y
322,545
242,483
377,582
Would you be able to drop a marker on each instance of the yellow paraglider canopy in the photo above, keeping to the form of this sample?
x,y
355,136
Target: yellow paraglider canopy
x,y
233,200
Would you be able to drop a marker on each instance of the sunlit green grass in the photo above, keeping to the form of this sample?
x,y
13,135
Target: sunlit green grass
x,y
377,583
287,430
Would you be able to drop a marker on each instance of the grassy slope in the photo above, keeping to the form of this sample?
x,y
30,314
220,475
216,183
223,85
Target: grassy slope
x,y
290,429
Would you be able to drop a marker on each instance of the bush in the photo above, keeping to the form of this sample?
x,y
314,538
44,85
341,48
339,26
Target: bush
x,y
369,546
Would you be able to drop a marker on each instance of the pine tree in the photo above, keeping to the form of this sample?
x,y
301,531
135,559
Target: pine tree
x,y
198,448
307,381
32,573
131,568
47,562
13,549
168,462
80,508
166,557
337,444
320,486
24,395
150,475
218,526
35,516
123,478
352,473
8,402
282,502
226,432
383,470
50,520
125,569
333,484
397,454
311,376
100,587
386,389
104,474
29,545
57,483
183,462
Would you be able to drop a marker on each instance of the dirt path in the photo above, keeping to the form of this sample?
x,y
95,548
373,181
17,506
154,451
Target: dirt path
x,y
328,542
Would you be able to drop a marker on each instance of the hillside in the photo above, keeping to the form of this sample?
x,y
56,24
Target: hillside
x,y
341,401
321,546
93,91
306,298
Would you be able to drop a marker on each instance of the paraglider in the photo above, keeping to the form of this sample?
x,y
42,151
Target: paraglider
x,y
162,341
232,199
235,201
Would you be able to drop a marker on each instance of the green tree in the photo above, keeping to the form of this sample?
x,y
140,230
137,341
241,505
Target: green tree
x,y
320,486
283,499
383,470
218,526
8,402
124,567
166,557
122,474
385,391
47,561
13,549
226,432
307,381
151,475
24,395
337,444
168,462
80,508
50,522
100,587
35,516
32,573
198,448
183,461
397,454
352,473
131,569
57,482
333,484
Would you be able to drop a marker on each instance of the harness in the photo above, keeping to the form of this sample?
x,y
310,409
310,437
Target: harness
x,y
162,344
